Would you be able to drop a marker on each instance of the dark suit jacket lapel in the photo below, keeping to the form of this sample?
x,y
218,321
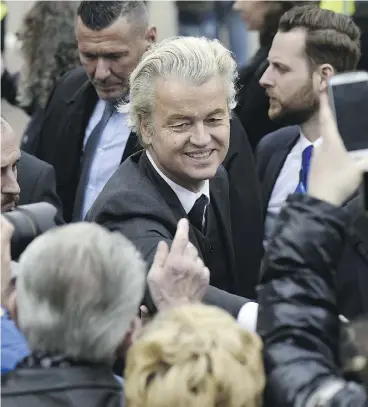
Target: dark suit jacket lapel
x,y
220,202
170,198
273,169
80,109
132,146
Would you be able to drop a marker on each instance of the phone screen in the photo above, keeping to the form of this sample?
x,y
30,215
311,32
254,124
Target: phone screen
x,y
351,112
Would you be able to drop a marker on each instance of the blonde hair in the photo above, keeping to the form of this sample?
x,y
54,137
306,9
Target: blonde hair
x,y
194,356
188,59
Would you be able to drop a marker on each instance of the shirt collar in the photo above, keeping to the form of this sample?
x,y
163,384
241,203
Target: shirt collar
x,y
304,142
187,198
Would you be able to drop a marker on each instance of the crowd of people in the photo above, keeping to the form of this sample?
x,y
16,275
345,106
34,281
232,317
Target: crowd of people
x,y
210,246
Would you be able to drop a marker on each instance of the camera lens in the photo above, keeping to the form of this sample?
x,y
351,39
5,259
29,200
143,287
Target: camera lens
x,y
29,221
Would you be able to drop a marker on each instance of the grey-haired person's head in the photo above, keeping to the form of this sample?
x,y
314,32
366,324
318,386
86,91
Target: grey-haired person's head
x,y
78,289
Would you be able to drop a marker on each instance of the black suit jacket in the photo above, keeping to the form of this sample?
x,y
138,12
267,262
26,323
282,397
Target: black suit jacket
x,y
253,104
59,140
36,180
135,205
352,273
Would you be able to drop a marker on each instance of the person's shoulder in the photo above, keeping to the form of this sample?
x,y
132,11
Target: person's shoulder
x,y
128,193
30,165
76,77
277,139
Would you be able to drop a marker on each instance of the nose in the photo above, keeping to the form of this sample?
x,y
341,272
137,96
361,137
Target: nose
x,y
102,69
201,136
266,79
9,183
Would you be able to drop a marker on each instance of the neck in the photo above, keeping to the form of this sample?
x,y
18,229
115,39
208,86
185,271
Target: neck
x,y
190,185
310,128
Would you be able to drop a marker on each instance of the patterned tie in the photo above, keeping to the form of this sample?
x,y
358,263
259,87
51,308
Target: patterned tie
x,y
197,213
87,159
304,171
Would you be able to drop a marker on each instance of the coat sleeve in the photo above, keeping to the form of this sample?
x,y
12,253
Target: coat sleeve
x,y
298,317
45,191
146,233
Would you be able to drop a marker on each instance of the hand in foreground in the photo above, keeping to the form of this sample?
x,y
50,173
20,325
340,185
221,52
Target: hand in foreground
x,y
334,174
177,276
7,230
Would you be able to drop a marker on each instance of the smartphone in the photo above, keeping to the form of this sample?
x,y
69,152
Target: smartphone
x,y
348,93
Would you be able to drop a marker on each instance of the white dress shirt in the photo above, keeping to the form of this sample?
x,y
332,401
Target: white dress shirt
x,y
286,183
187,198
247,316
109,152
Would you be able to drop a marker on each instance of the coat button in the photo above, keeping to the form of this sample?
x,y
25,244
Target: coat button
x,y
212,248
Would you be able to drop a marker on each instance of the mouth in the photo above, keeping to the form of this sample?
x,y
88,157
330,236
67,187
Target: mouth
x,y
8,207
200,155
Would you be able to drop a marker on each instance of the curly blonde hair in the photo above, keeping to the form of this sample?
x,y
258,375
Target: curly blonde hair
x,y
194,356
49,49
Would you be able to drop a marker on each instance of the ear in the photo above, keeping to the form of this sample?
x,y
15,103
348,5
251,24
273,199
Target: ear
x,y
325,71
151,34
145,132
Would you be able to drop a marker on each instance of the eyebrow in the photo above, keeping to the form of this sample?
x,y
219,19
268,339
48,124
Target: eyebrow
x,y
177,116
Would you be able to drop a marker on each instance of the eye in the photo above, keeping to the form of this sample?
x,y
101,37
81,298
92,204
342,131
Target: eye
x,y
213,120
181,126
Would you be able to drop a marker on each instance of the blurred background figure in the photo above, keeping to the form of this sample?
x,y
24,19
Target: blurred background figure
x,y
252,108
3,13
360,18
197,19
48,50
230,21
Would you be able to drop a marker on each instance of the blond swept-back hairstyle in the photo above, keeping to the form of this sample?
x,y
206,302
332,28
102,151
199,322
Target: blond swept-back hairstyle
x,y
194,356
187,59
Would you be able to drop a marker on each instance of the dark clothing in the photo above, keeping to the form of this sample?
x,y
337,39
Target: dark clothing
x,y
36,180
298,317
137,202
253,103
352,274
245,207
61,387
360,18
60,140
193,12
60,143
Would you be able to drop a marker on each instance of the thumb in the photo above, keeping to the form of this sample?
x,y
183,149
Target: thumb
x,y
161,255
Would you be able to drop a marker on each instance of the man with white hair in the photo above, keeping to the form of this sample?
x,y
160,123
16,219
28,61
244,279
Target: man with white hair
x,y
78,290
181,96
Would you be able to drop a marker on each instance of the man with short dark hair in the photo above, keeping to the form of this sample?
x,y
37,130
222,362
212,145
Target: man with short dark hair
x,y
310,46
82,135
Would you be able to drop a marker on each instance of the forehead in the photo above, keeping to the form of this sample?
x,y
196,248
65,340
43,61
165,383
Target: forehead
x,y
177,97
288,47
117,36
10,150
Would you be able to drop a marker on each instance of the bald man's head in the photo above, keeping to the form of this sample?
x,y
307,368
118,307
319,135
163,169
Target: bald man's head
x,y
10,154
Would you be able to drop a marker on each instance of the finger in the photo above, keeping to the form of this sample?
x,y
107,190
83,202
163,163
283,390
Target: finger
x,y
327,121
206,274
362,164
191,252
181,238
161,255
7,229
